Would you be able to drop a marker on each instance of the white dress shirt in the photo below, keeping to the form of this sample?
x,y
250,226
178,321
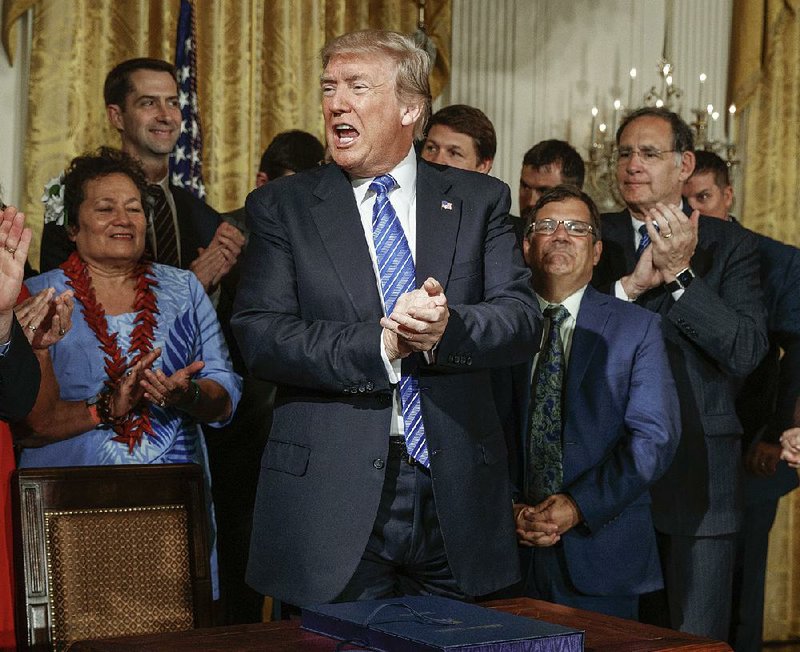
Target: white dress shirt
x,y
404,200
572,303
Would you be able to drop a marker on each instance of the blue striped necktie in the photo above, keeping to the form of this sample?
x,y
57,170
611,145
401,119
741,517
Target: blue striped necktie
x,y
643,242
396,268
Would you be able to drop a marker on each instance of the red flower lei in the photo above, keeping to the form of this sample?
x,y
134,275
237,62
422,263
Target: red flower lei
x,y
136,423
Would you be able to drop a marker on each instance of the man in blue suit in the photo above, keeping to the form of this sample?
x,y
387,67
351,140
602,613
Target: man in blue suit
x,y
590,536
378,292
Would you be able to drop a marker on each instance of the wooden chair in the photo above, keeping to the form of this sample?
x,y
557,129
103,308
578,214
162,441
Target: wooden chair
x,y
105,551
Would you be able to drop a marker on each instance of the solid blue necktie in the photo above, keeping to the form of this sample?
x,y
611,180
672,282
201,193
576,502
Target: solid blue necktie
x,y
396,268
545,468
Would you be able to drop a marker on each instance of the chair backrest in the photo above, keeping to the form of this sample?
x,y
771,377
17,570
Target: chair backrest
x,y
106,551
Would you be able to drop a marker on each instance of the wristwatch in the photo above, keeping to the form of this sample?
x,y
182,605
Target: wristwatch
x,y
683,280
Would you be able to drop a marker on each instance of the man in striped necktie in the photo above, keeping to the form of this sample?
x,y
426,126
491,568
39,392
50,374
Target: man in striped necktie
x,y
379,292
142,104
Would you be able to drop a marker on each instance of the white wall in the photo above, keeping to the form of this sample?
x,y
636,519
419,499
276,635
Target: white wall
x,y
536,67
13,115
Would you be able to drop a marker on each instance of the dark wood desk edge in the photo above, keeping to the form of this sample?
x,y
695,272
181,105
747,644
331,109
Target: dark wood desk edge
x,y
603,634
600,626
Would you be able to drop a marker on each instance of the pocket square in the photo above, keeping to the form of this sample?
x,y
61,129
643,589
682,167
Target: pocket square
x,y
447,205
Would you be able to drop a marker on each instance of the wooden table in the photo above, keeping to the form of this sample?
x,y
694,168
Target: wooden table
x,y
603,634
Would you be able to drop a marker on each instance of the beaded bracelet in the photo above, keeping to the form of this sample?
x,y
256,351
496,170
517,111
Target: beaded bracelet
x,y
103,407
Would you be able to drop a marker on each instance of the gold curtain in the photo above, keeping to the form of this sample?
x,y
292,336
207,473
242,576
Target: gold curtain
x,y
765,82
258,71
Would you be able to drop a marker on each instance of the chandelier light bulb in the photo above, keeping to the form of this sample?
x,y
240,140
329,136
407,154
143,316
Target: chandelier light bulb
x,y
633,73
594,111
703,78
659,103
732,109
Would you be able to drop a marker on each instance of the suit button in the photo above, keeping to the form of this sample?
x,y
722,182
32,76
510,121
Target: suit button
x,y
469,360
378,463
362,389
370,386
450,358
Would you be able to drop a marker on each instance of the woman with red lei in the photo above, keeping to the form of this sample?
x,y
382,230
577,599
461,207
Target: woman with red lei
x,y
145,361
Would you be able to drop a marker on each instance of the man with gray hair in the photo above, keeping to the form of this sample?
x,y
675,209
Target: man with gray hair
x,y
701,275
378,293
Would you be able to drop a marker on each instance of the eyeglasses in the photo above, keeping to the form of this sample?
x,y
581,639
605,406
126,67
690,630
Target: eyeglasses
x,y
646,154
572,227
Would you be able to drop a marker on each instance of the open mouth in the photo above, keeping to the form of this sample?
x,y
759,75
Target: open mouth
x,y
344,134
122,236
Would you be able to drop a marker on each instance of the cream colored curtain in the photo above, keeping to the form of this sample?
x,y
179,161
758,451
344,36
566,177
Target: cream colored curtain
x,y
765,81
258,70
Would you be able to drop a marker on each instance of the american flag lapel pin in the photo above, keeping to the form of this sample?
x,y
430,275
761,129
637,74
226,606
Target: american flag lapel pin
x,y
447,205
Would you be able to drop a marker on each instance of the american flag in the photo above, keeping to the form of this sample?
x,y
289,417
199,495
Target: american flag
x,y
186,164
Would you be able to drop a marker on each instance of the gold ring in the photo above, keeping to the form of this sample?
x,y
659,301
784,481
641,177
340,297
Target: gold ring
x,y
162,404
11,250
31,327
667,235
61,332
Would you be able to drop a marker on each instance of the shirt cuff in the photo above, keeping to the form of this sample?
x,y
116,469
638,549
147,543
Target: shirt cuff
x,y
393,368
4,348
620,293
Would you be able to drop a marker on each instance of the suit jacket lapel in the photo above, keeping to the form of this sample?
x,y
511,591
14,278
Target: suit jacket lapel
x,y
592,319
438,220
620,229
339,224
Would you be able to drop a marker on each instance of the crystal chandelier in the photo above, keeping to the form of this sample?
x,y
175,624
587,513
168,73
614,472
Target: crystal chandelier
x,y
706,123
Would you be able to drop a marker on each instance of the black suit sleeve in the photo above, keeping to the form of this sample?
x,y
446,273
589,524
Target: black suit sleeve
x,y
56,246
19,377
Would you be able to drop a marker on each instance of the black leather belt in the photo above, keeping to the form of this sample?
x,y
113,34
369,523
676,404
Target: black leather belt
x,y
398,451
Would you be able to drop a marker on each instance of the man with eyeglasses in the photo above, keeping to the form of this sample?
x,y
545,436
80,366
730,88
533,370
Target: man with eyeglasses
x,y
701,275
583,474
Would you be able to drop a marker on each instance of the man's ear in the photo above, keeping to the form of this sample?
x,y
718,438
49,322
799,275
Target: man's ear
x,y
485,165
687,165
114,113
727,197
411,114
261,179
598,251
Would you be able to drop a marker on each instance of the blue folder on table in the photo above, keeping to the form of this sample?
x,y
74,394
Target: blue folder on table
x,y
435,624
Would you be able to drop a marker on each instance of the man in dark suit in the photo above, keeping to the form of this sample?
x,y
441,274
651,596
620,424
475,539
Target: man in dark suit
x,y
142,104
378,292
616,434
701,276
19,369
765,405
235,450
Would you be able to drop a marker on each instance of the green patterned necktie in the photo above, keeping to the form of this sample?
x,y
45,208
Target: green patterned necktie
x,y
545,467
